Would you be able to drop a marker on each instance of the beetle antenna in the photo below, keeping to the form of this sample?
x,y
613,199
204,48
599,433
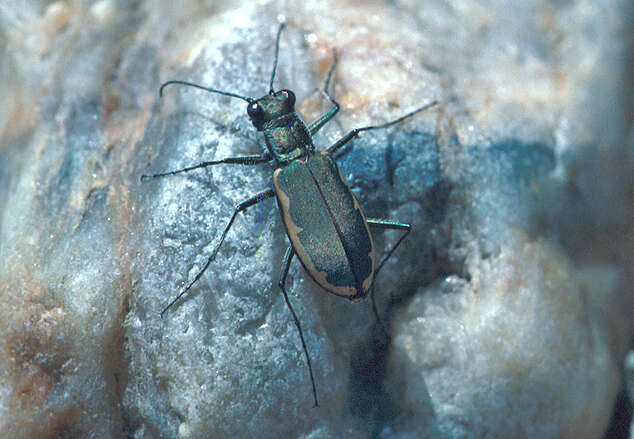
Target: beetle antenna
x,y
277,52
211,90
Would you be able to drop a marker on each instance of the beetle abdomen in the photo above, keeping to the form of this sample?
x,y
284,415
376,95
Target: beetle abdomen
x,y
326,226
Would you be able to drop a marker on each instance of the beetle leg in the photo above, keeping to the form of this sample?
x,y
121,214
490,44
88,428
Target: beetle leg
x,y
353,133
245,160
389,224
385,224
239,208
316,125
288,257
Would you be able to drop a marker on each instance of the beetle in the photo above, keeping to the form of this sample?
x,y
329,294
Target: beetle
x,y
327,229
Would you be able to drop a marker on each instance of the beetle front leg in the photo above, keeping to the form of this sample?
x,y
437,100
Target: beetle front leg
x,y
244,160
288,257
353,133
239,208
316,125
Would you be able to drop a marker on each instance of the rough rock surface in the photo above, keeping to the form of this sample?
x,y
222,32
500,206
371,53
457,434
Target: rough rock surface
x,y
509,305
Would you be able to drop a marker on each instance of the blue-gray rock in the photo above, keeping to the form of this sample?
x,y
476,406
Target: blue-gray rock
x,y
509,305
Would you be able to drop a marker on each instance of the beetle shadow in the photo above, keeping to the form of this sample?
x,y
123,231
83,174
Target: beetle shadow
x,y
368,398
511,168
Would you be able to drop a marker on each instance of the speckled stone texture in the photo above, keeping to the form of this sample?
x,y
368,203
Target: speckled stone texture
x,y
509,306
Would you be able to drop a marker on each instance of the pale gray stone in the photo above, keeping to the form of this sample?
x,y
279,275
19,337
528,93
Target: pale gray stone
x,y
509,304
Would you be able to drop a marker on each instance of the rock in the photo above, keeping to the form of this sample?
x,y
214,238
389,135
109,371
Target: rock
x,y
517,186
523,340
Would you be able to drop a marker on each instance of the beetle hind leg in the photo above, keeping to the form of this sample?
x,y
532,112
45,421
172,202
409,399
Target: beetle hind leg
x,y
385,224
239,208
288,257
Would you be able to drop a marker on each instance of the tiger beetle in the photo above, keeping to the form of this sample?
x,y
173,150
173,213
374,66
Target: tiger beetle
x,y
328,231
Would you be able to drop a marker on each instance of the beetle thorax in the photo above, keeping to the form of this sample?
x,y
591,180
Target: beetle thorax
x,y
288,138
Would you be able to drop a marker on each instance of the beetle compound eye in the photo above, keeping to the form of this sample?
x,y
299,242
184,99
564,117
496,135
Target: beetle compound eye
x,y
290,97
254,110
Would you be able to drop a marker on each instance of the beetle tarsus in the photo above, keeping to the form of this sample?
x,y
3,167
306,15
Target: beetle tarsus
x,y
288,257
316,125
239,208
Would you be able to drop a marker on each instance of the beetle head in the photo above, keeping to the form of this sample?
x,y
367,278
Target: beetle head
x,y
270,107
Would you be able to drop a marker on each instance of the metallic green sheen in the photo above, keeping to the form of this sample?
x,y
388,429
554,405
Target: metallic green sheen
x,y
287,137
325,218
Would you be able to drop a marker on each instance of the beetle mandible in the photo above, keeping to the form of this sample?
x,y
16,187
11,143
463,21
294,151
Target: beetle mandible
x,y
328,231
